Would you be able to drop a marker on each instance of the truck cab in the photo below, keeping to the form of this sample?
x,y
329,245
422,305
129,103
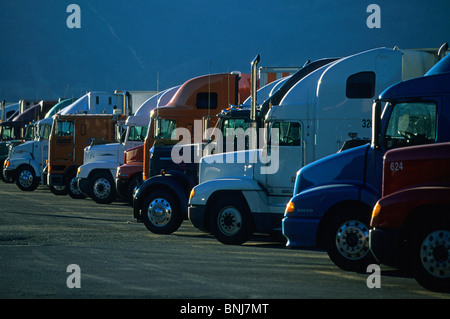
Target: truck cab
x,y
70,135
313,120
192,108
410,225
26,162
162,201
197,98
129,174
96,174
334,196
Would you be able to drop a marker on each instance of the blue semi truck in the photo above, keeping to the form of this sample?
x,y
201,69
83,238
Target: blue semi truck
x,y
333,197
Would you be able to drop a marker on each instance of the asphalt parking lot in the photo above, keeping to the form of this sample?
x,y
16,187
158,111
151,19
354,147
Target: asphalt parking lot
x,y
42,234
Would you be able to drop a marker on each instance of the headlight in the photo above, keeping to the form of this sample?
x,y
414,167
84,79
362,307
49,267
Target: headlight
x,y
192,194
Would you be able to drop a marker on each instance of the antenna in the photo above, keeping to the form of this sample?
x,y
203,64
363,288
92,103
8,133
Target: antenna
x,y
67,88
209,88
157,91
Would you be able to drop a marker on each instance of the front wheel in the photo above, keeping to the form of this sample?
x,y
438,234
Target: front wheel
x,y
58,190
2,175
72,187
26,178
431,256
230,221
161,213
134,183
102,188
347,240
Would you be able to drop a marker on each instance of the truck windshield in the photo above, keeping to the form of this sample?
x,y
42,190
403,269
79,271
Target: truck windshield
x,y
64,128
411,123
137,133
164,128
7,133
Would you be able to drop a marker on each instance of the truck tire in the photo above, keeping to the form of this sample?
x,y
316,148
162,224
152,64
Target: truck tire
x,y
230,221
101,186
2,175
430,244
58,190
72,187
347,239
161,212
26,178
135,182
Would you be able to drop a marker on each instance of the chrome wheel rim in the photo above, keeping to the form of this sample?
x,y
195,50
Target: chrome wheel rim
x,y
352,239
229,221
435,254
73,186
159,212
102,188
25,178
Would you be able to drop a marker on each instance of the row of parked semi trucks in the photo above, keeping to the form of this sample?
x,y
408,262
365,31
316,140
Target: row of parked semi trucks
x,y
335,156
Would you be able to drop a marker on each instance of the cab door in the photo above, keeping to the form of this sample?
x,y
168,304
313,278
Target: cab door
x,y
64,140
282,157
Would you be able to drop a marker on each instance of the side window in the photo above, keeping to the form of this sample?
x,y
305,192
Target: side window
x,y
289,133
232,124
46,132
137,133
164,128
64,129
361,85
206,100
411,124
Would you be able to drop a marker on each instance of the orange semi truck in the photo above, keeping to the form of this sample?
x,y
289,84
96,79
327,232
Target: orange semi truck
x,y
410,226
70,135
198,98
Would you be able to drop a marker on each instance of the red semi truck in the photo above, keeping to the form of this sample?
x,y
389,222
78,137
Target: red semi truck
x,y
410,226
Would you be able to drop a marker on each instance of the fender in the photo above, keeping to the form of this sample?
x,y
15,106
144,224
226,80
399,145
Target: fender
x,y
37,168
204,190
310,203
86,169
18,162
396,207
303,226
177,182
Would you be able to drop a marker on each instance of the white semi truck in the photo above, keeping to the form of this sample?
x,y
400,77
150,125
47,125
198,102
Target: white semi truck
x,y
26,162
96,177
313,120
